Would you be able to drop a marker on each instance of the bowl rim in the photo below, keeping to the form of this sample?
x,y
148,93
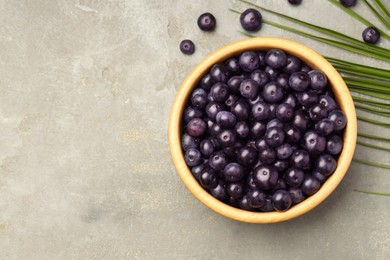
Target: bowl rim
x,y
309,57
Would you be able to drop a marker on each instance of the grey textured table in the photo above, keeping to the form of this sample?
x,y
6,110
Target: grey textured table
x,y
85,170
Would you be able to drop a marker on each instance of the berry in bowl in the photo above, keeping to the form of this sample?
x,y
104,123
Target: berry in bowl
x,y
262,130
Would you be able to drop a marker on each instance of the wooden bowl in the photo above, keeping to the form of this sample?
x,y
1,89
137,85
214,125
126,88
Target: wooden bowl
x,y
309,57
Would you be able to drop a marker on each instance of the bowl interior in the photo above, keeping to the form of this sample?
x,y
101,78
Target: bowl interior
x,y
312,59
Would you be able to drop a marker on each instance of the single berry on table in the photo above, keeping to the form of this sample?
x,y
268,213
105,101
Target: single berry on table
x,y
348,3
251,20
187,47
207,22
295,2
371,35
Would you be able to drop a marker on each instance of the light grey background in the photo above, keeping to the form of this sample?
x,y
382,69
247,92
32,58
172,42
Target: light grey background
x,y
85,171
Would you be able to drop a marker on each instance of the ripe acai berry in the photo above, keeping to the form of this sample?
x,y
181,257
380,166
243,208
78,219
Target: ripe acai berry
x,y
295,2
251,20
187,47
348,3
371,35
207,22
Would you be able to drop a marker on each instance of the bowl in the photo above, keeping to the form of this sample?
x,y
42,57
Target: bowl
x,y
312,59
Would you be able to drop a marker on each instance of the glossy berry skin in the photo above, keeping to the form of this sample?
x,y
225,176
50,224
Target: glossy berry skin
x,y
189,142
226,138
272,73
207,22
190,113
208,179
300,159
297,195
247,156
197,170
299,81
267,155
371,35
291,100
334,145
319,176
206,82
249,61
212,109
284,151
325,164
260,110
301,120
242,129
199,101
218,161
241,110
196,127
219,192
310,185
324,127
272,92
249,88
260,77
328,102
231,100
235,189
256,198
314,143
284,112
317,112
274,136
265,177
348,3
293,64
281,165
219,73
225,119
261,144
281,200
307,98
234,84
267,206
293,134
251,20
219,92
187,47
318,80
338,118
276,58
243,203
207,147
193,157
295,2
294,177
233,172
275,123
233,65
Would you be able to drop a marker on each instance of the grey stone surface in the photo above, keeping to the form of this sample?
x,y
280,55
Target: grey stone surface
x,y
85,170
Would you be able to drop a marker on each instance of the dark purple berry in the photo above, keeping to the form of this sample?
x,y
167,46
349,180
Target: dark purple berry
x,y
276,58
233,172
291,100
284,151
284,112
231,100
206,82
318,80
328,102
225,119
249,88
272,92
193,157
226,138
338,118
260,111
267,206
319,176
324,127
307,98
300,159
281,165
243,203
334,145
265,177
219,92
242,129
196,127
274,136
348,3
281,200
272,73
219,73
199,101
241,110
314,143
187,47
251,20
235,189
208,179
234,84
371,35
190,113
189,142
249,61
261,144
293,64
325,164
318,112
207,147
212,109
219,192
294,177
267,155
218,161
310,185
293,134
197,170
297,195
207,22
301,120
299,81
260,77
295,2
247,156
282,80
256,198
